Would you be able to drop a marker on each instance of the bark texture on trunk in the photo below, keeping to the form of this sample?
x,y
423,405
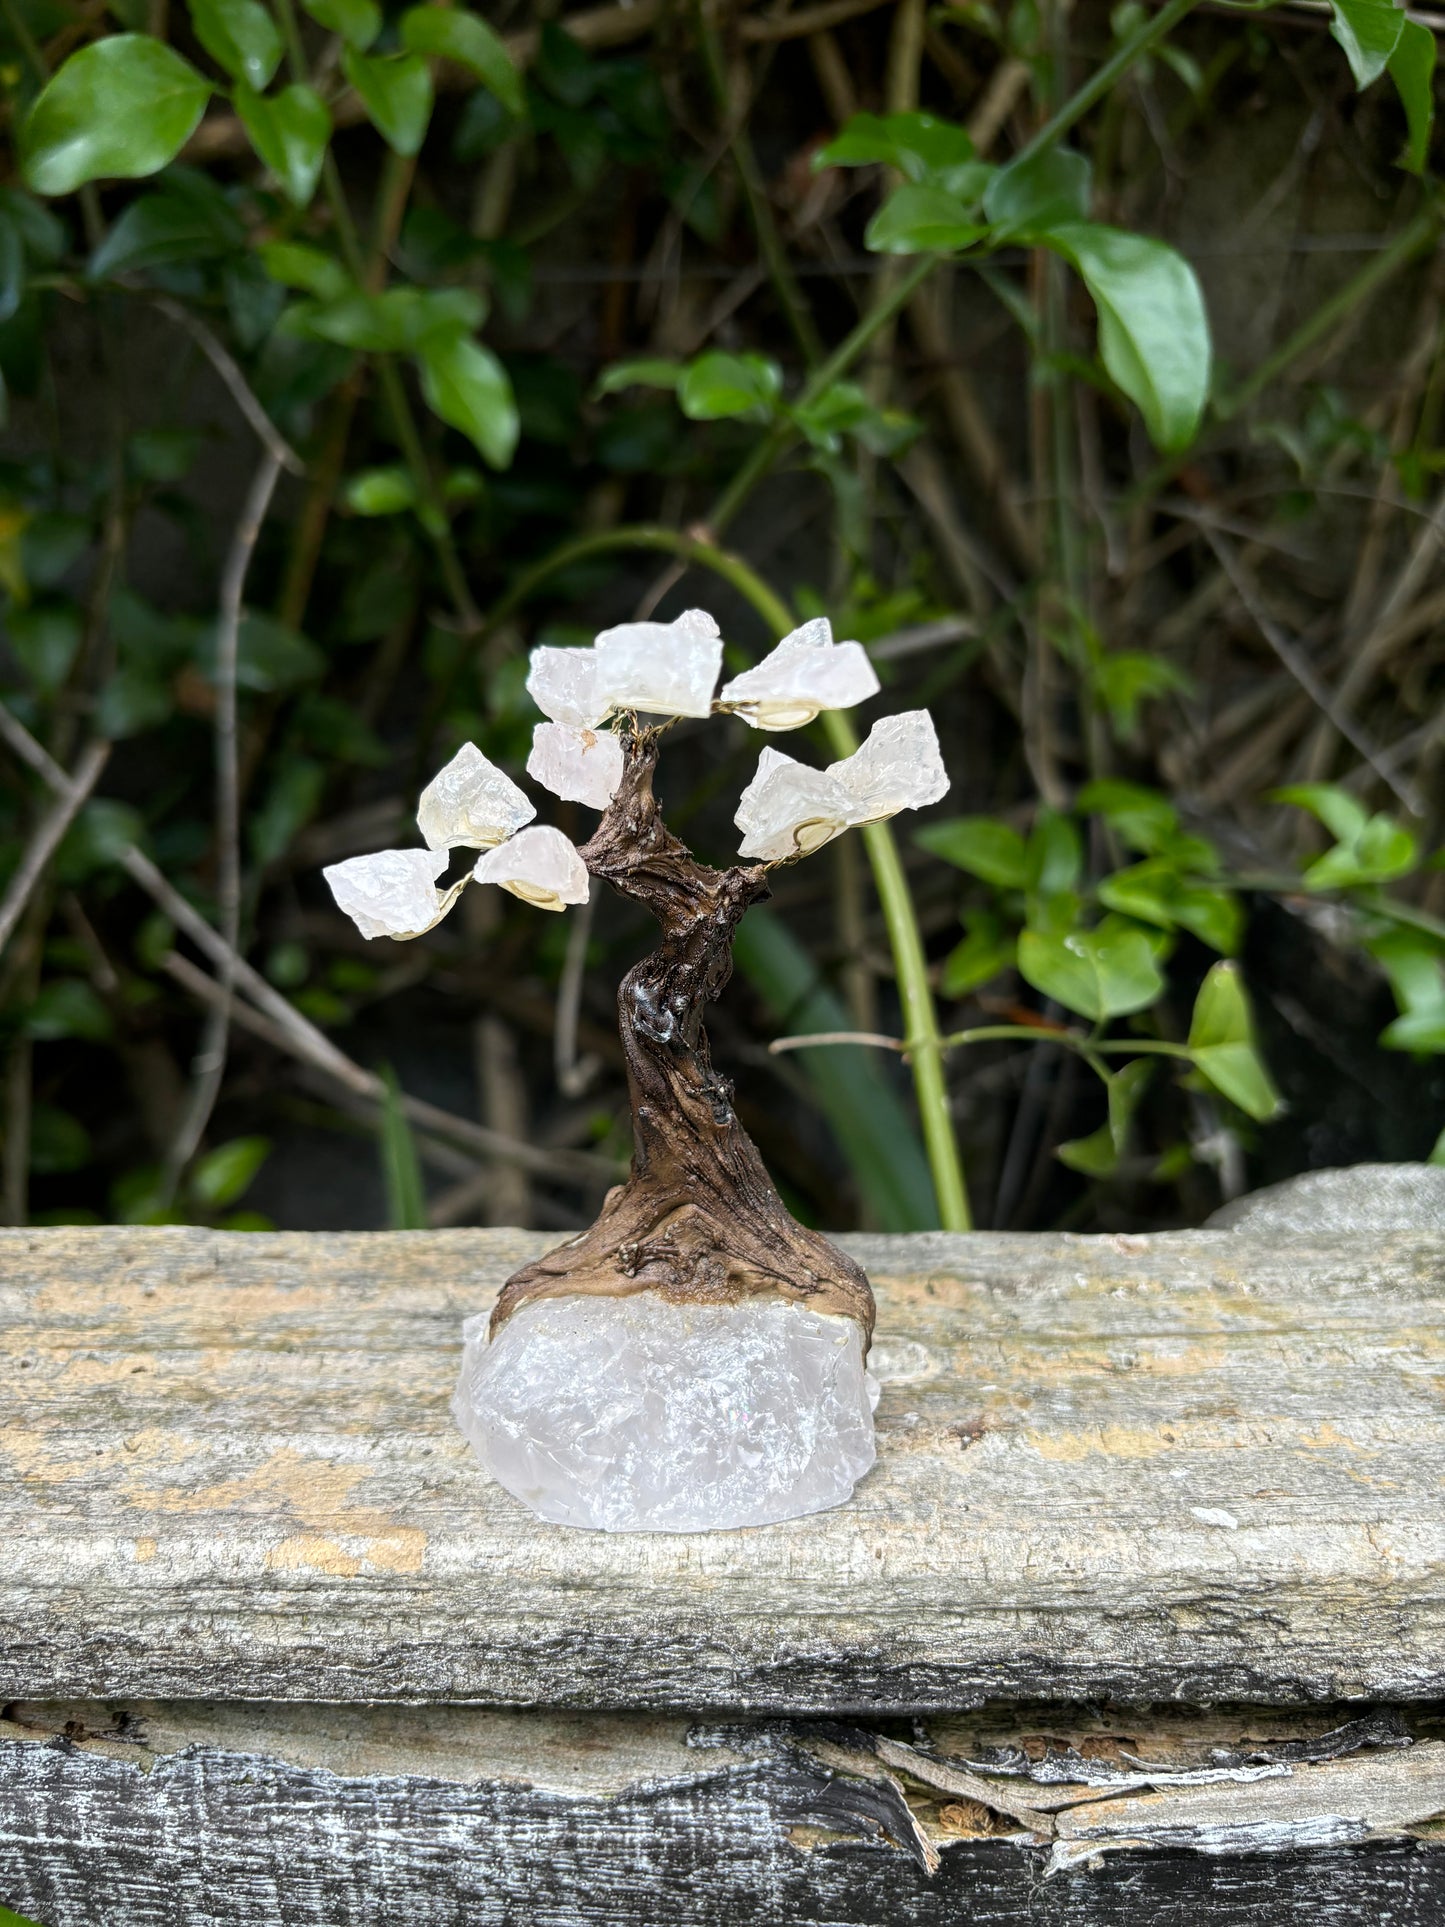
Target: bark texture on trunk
x,y
699,1219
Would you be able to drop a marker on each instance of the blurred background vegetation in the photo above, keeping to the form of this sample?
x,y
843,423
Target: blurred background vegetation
x,y
352,351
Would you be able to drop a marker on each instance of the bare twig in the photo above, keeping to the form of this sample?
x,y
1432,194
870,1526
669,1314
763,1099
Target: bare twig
x,y
209,1065
48,832
225,365
873,1037
1303,671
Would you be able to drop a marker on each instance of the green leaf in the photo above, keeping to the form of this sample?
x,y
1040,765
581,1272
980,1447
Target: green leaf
x,y
45,638
1411,961
985,953
1098,1154
1437,1156
1369,31
121,108
471,43
983,846
844,409
1412,68
467,386
396,91
719,385
400,1165
381,491
357,21
58,1143
67,1007
1049,191
223,1175
186,219
269,655
925,150
41,231
1153,331
1214,916
396,321
1098,973
1055,853
289,132
922,220
1379,852
1418,1030
240,36
1144,818
651,371
1341,815
295,265
1221,1042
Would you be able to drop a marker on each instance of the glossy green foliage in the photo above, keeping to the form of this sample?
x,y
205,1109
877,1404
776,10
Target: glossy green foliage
x,y
120,107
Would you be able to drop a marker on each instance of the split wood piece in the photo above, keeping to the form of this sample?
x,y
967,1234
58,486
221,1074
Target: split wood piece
x,y
188,1814
699,1220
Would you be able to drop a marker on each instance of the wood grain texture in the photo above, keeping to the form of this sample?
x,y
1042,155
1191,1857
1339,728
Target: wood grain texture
x,y
187,1815
1196,1467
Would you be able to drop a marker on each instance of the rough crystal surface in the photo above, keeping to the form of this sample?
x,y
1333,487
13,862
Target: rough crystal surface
x,y
538,865
563,685
790,810
900,767
579,765
390,894
471,804
807,673
661,668
639,1415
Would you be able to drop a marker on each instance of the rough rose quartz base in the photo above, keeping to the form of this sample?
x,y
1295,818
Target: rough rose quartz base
x,y
640,1415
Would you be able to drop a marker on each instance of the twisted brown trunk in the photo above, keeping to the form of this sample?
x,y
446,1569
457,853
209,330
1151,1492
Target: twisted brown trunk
x,y
699,1218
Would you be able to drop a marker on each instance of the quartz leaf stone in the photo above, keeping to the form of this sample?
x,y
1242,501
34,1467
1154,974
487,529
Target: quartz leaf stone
x,y
393,893
661,668
563,685
638,1414
899,767
538,865
807,673
789,810
471,804
579,765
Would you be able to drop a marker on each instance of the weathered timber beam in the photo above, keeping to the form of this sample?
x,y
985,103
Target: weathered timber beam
x,y
1197,1467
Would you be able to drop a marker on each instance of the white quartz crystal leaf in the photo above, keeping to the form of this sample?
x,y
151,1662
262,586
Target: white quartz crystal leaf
x,y
579,765
639,1415
790,810
807,673
393,893
471,804
900,767
661,668
538,865
563,685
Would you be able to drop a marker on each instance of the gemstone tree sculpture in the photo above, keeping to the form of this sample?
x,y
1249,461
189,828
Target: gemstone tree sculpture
x,y
696,1358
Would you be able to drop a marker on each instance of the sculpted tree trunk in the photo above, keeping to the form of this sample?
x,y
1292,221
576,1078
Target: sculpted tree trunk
x,y
699,1220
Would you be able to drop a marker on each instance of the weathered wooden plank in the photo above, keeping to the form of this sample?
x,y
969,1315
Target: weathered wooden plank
x,y
1201,1466
157,1815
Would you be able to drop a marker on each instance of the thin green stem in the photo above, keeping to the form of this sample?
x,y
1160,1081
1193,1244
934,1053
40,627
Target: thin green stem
x,y
1099,82
1003,1033
1142,1047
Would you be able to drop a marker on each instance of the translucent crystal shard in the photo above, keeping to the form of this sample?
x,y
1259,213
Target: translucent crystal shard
x,y
563,685
538,865
807,673
579,765
900,767
790,810
471,804
641,1415
393,893
661,668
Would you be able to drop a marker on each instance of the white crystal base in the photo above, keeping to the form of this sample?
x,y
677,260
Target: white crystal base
x,y
639,1415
